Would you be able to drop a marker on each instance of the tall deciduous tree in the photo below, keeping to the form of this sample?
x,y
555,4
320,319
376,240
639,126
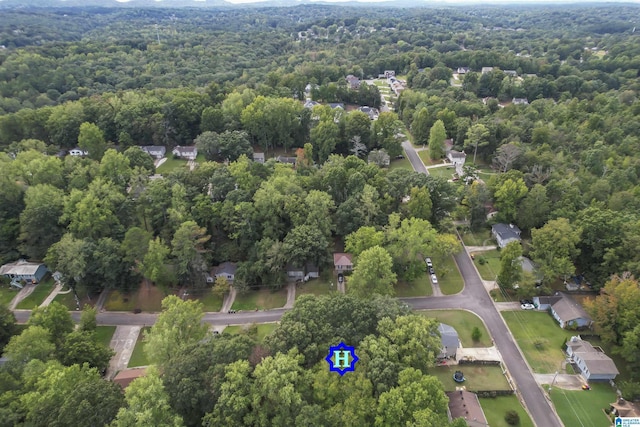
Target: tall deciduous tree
x,y
419,204
507,196
177,326
91,140
554,248
147,404
477,136
82,347
55,318
437,135
510,265
421,125
7,326
187,247
534,208
44,205
373,273
363,239
33,343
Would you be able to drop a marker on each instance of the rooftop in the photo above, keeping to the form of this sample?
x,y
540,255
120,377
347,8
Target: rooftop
x,y
20,268
568,309
464,404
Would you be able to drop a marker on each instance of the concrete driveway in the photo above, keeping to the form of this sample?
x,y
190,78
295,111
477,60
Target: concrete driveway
x,y
123,342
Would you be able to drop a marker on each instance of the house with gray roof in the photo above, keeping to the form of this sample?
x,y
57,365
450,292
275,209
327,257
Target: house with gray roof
x,y
567,311
226,269
450,341
24,270
155,151
189,153
258,157
592,362
505,233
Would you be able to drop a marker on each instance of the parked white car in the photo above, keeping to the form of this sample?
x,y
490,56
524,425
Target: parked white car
x,y
434,279
527,306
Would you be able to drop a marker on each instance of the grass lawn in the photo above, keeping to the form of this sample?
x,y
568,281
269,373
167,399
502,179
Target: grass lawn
x,y
540,338
584,408
319,286
418,288
424,156
476,238
69,301
443,172
490,269
7,294
39,294
104,334
478,377
451,282
496,407
401,164
138,357
209,300
263,330
170,164
263,299
463,322
147,298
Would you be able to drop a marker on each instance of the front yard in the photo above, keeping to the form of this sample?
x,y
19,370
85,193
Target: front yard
x,y
463,322
451,282
323,285
401,163
148,298
539,337
39,294
209,300
477,377
104,334
7,294
583,408
490,267
138,356
495,409
263,330
443,171
476,238
263,299
418,288
170,165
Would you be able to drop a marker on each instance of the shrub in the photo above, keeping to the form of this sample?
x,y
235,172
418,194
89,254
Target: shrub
x,y
476,334
512,418
482,260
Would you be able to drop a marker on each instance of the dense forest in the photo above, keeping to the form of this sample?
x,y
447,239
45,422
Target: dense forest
x,y
564,167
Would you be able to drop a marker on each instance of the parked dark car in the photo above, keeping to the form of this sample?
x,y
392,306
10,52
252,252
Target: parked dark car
x,y
340,278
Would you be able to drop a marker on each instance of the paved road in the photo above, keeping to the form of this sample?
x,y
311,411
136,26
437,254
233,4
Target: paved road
x,y
413,157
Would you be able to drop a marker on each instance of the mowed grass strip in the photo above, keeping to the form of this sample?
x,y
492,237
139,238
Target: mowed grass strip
x,y
539,337
451,282
138,356
263,299
477,377
584,408
476,238
491,267
104,334
495,409
463,322
7,294
262,330
39,294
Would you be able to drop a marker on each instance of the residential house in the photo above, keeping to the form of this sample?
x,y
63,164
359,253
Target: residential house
x,y
78,152
310,104
623,408
592,362
463,70
295,272
309,87
520,101
342,262
530,267
258,157
226,269
457,159
450,341
486,70
335,105
126,376
567,312
371,112
288,160
24,270
389,73
505,233
313,272
353,82
465,404
189,153
511,73
155,151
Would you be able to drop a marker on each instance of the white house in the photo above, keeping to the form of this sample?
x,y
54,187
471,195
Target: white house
x,y
226,269
563,308
450,341
505,233
78,152
592,362
342,262
457,159
155,151
189,153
